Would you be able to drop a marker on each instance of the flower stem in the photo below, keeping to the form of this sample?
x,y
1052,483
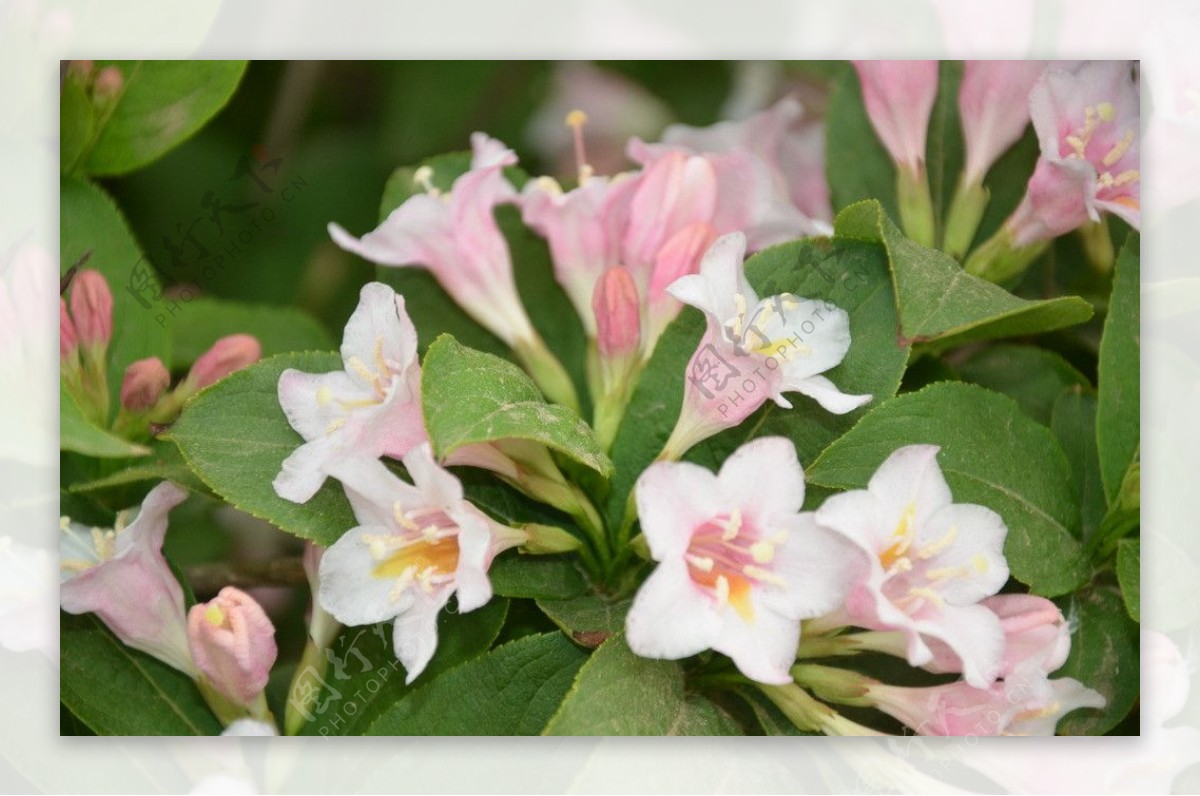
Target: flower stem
x,y
962,221
547,372
916,207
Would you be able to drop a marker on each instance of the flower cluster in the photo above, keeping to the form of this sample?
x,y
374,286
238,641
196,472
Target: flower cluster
x,y
1085,115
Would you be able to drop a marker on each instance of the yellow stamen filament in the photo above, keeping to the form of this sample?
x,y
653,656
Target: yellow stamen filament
x,y
424,178
763,575
722,591
1119,149
940,546
928,594
702,563
576,119
733,526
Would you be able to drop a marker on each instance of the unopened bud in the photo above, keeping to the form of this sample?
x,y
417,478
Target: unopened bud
x,y
144,383
68,340
233,644
618,313
91,308
80,70
227,355
108,84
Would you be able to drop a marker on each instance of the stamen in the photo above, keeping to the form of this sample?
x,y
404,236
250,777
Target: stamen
x,y
361,369
402,518
576,119
402,583
702,563
1119,149
1106,111
763,552
722,591
1126,177
980,563
549,185
931,550
947,573
733,526
334,425
763,575
423,177
927,594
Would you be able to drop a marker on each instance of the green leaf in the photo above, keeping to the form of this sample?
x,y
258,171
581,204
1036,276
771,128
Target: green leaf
x,y
590,619
77,433
850,274
91,222
992,455
161,104
944,140
165,463
1118,413
1129,574
364,678
116,690
1073,421
940,303
1032,376
76,125
1105,655
539,577
234,436
619,693
471,397
512,690
279,330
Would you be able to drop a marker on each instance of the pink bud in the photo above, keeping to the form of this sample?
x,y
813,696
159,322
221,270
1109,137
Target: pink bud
x,y
92,308
145,381
227,355
618,313
993,102
899,97
80,70
68,340
233,644
108,84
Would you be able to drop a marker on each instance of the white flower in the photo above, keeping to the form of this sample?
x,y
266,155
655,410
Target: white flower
x,y
416,546
739,565
370,409
931,562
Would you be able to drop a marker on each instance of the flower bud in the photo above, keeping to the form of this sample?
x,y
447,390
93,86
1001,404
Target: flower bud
x,y
68,339
81,70
92,308
108,84
233,644
618,314
144,383
227,355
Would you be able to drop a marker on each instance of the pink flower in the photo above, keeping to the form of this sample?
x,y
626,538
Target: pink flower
x,y
899,97
144,383
1035,632
754,349
932,561
417,545
1031,705
795,153
457,239
1087,125
227,355
92,308
370,409
582,228
122,577
739,565
993,102
233,644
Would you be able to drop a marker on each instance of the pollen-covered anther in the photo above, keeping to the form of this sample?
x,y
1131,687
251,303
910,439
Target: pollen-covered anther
x,y
1119,149
932,549
423,177
702,563
763,575
733,526
763,552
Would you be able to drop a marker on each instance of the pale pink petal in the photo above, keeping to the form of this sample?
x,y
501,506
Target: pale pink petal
x,y
670,618
818,566
969,539
910,477
764,649
415,636
764,477
974,634
349,591
379,333
672,499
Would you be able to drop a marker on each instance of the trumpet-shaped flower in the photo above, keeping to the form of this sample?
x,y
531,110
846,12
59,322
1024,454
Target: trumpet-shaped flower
x,y
416,546
754,349
370,409
899,97
1026,705
456,237
233,644
795,153
121,576
738,565
993,103
932,561
1087,125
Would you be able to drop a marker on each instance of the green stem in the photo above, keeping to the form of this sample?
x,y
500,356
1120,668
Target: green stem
x,y
547,372
916,207
962,222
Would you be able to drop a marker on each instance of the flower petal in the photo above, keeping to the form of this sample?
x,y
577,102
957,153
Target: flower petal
x,y
378,329
672,499
764,649
670,618
974,634
818,567
349,590
764,478
415,637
